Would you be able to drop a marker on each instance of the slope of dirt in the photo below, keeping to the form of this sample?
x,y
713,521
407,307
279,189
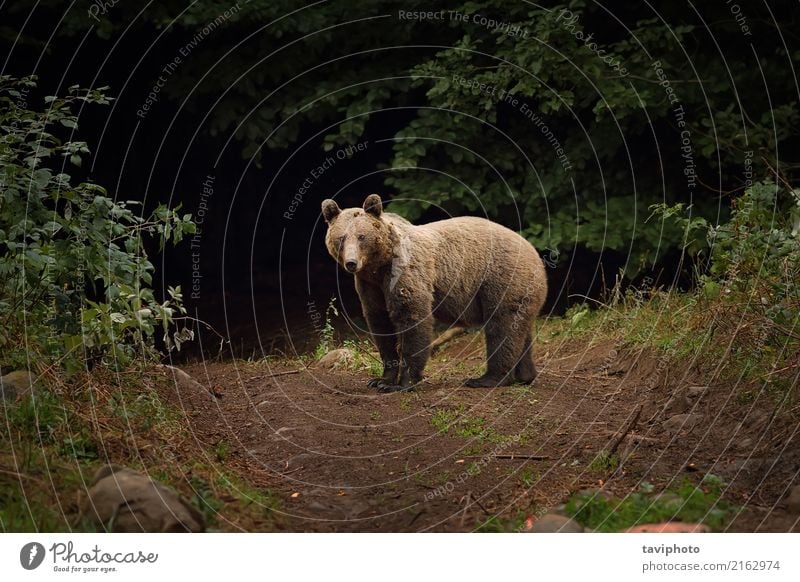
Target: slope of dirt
x,y
446,458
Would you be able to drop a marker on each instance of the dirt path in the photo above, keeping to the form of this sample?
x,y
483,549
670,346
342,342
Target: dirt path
x,y
446,458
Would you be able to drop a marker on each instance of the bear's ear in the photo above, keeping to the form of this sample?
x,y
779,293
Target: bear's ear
x,y
373,205
330,210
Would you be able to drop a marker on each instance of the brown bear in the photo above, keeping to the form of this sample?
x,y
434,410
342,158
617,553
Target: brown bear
x,y
466,271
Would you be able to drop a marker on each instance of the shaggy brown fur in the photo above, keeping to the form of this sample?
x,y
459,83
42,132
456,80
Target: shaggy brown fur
x,y
465,271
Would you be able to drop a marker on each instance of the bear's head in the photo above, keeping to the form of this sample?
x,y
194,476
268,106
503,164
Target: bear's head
x,y
358,238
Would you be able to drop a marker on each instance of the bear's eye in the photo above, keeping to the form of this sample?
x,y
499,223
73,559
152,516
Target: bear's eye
x,y
361,237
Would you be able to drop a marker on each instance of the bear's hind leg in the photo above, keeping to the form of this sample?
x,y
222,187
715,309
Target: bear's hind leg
x,y
525,371
502,352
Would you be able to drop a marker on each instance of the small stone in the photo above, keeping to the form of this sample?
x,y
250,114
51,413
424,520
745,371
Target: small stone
x,y
746,466
124,500
681,422
678,404
554,523
282,434
696,392
756,419
16,384
336,358
184,382
793,501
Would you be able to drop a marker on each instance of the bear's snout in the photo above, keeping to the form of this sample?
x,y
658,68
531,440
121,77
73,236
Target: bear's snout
x,y
351,266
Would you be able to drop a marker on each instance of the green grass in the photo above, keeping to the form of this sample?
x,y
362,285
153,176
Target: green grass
x,y
473,469
442,420
407,400
691,504
497,524
80,446
264,500
604,462
472,449
475,428
205,498
528,476
221,450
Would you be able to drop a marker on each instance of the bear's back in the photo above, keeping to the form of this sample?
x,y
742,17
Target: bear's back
x,y
475,258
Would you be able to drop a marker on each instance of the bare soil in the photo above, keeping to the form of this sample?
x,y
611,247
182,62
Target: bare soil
x,y
342,457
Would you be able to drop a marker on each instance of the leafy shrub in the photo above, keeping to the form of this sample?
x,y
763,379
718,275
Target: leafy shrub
x,y
754,258
74,275
687,503
757,253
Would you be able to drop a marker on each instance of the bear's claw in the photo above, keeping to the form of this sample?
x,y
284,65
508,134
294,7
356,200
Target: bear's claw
x,y
374,382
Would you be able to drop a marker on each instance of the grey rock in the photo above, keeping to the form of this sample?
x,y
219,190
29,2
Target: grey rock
x,y
124,500
16,384
554,523
336,359
184,381
682,423
696,392
756,419
678,404
746,466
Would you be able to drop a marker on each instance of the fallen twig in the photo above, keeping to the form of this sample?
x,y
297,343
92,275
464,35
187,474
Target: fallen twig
x,y
622,434
478,502
466,507
413,519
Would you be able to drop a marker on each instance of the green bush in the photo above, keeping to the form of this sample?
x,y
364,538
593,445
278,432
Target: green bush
x,y
754,258
688,503
74,275
757,253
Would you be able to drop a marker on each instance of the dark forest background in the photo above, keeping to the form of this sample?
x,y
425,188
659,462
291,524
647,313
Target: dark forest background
x,y
600,131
